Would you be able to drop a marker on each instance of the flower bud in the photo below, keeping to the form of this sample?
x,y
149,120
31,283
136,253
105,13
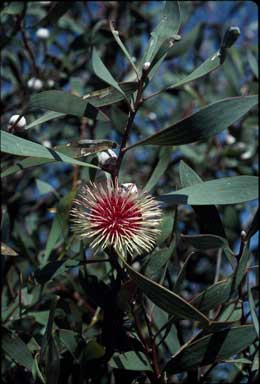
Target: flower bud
x,y
230,139
129,188
104,156
146,65
21,123
35,84
50,83
43,33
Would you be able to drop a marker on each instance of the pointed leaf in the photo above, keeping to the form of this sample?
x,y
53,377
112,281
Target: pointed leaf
x,y
227,190
160,168
23,164
168,26
254,226
43,119
103,73
203,124
212,348
16,349
206,242
15,145
164,298
65,103
130,361
189,177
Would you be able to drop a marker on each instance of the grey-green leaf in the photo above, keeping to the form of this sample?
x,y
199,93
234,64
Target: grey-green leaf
x,y
43,119
203,124
64,103
211,348
103,73
206,241
227,190
131,361
168,26
16,349
18,146
164,298
161,166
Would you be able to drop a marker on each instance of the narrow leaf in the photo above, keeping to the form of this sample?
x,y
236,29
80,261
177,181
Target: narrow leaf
x,y
160,168
252,309
131,361
227,190
103,73
16,349
168,26
43,119
203,124
189,177
64,103
212,348
122,46
164,298
18,146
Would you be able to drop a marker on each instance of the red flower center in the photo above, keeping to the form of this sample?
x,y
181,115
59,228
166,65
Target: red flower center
x,y
116,215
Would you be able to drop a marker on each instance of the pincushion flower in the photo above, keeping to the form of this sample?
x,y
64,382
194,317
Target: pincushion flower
x,y
122,217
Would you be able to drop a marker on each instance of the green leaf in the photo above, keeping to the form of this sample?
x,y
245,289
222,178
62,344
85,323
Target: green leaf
x,y
103,73
241,268
16,349
203,124
49,352
157,261
253,63
15,145
255,366
93,350
70,339
166,226
252,309
254,226
166,29
43,119
206,242
110,95
98,99
15,8
227,190
53,269
59,224
161,166
208,66
185,44
123,48
170,336
222,291
164,298
181,274
65,103
189,177
23,164
212,348
45,188
131,361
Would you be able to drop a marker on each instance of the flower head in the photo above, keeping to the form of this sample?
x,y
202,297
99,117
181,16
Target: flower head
x,y
124,218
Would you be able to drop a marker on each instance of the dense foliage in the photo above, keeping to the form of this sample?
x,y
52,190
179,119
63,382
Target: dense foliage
x,y
169,87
